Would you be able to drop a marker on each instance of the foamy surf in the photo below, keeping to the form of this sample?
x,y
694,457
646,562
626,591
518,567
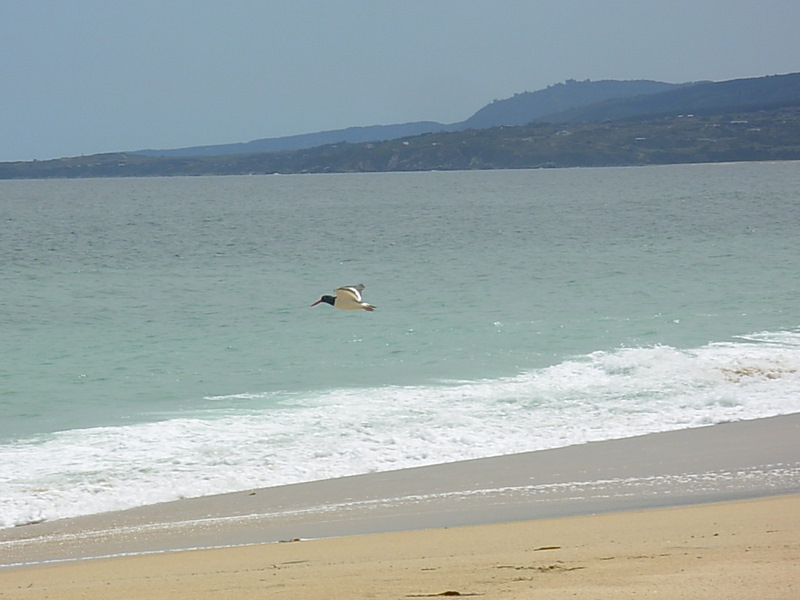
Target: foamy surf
x,y
303,437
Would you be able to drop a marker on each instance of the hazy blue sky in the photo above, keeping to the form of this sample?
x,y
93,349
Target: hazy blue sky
x,y
89,76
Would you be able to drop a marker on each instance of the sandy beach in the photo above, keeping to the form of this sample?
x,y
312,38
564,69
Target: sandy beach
x,y
698,513
745,549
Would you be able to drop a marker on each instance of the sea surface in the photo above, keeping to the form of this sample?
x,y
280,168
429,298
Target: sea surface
x,y
157,340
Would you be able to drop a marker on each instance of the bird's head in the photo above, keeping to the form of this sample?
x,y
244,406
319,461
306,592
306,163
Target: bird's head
x,y
328,299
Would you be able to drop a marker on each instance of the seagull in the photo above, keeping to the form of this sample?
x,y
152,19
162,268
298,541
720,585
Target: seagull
x,y
348,297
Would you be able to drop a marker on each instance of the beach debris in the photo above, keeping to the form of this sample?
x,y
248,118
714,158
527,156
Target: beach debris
x,y
447,593
557,567
739,373
547,548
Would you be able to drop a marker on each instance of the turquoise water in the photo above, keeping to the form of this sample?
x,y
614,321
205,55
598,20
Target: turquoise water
x,y
158,340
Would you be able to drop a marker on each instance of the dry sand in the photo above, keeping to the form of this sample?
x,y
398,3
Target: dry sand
x,y
501,528
746,549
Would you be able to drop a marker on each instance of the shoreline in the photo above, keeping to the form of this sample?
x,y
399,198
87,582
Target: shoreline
x,y
737,550
718,463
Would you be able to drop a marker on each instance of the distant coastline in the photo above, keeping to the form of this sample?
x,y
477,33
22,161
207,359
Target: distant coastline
x,y
739,137
575,124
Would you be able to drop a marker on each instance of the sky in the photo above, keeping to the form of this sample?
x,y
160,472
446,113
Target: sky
x,y
81,77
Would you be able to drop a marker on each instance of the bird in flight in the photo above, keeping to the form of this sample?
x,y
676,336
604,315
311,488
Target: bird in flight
x,y
348,297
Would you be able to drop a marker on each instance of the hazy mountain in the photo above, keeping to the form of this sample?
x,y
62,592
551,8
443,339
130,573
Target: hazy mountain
x,y
754,93
737,120
526,107
519,110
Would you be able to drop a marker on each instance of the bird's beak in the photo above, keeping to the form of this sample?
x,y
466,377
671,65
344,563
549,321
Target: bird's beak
x,y
317,302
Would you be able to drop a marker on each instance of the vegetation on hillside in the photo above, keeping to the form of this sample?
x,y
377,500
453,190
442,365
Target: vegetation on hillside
x,y
763,135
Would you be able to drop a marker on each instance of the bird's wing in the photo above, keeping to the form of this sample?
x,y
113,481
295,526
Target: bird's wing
x,y
347,295
352,292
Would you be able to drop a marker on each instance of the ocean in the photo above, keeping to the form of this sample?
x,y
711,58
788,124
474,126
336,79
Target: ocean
x,y
158,341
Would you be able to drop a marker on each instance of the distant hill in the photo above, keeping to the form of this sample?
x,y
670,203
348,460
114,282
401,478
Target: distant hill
x,y
527,107
352,135
518,110
756,93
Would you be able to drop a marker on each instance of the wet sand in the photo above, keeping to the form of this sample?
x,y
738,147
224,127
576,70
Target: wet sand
x,y
586,520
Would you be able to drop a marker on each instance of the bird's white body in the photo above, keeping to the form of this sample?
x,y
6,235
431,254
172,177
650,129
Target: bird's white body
x,y
349,298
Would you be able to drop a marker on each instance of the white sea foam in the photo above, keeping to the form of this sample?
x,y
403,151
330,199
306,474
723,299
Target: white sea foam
x,y
603,395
